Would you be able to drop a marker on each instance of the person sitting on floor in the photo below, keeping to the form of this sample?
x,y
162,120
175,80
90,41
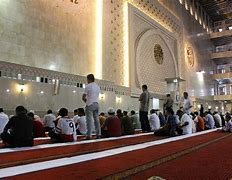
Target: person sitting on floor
x,y
154,120
102,118
38,128
199,122
170,128
3,120
135,120
162,119
65,130
75,117
228,124
81,122
217,119
18,132
36,116
49,119
127,124
112,126
209,120
185,122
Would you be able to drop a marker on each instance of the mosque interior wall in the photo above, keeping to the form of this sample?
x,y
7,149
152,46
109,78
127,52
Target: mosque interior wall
x,y
60,36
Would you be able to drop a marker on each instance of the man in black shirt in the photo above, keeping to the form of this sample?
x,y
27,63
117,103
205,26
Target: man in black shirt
x,y
18,132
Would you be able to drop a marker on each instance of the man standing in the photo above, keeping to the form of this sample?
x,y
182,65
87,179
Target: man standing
x,y
169,102
90,97
187,104
143,110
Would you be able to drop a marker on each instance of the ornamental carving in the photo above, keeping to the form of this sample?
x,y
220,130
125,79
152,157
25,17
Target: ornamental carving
x,y
158,54
190,56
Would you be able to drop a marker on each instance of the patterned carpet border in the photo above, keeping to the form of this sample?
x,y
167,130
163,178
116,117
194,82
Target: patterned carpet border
x,y
141,168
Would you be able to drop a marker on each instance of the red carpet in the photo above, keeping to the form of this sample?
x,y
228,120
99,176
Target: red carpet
x,y
211,162
36,155
104,167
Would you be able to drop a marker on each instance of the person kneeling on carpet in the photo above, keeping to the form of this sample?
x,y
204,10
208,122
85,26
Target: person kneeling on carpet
x,y
170,128
112,126
228,124
65,130
18,132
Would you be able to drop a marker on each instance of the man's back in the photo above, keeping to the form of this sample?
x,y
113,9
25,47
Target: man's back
x,y
144,101
218,120
21,129
209,121
49,120
66,128
38,129
188,128
92,91
154,121
3,121
200,123
113,126
135,121
127,125
81,121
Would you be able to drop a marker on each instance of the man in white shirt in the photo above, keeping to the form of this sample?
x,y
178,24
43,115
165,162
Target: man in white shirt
x,y
185,122
209,120
91,98
3,120
218,120
80,121
65,131
49,119
187,104
154,120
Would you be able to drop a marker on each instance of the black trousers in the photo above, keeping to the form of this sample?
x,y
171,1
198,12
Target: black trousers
x,y
145,125
14,141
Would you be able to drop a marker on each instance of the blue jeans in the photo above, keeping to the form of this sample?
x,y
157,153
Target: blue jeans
x,y
92,114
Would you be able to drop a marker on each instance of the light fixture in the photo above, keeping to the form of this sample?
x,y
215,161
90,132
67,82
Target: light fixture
x,y
203,72
101,96
41,92
209,107
74,91
220,30
8,90
118,99
21,87
175,80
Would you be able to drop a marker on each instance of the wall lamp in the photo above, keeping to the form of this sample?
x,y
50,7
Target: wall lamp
x,y
118,99
101,96
21,87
